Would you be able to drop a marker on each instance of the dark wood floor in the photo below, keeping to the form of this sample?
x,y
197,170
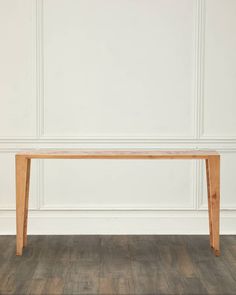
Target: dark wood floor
x,y
118,265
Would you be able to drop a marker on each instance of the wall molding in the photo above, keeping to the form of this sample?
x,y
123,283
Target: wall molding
x,y
194,143
199,64
210,137
117,222
40,66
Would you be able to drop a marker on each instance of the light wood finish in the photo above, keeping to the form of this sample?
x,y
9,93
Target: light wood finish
x,y
26,201
213,185
117,154
22,198
23,159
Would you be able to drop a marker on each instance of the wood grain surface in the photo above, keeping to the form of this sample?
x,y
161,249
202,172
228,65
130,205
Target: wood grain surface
x,y
117,154
128,265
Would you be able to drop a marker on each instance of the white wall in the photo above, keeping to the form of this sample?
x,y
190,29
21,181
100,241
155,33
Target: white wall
x,y
118,74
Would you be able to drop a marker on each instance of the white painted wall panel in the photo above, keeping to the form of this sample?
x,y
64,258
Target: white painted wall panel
x,y
118,68
117,74
17,68
116,184
220,69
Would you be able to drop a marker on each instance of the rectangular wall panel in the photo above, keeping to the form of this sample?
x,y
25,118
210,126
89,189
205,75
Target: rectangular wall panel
x,y
117,184
118,68
17,68
220,69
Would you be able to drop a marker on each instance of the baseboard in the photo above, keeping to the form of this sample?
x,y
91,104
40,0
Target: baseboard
x,y
117,222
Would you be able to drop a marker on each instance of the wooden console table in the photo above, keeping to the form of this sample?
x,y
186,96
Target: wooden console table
x,y
23,159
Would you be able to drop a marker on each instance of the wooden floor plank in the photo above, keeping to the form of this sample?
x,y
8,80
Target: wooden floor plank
x,y
115,270
125,265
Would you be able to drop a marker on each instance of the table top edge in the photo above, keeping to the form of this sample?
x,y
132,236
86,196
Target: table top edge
x,y
119,153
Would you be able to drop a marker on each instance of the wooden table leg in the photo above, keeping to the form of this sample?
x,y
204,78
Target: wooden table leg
x,y
209,202
22,197
213,185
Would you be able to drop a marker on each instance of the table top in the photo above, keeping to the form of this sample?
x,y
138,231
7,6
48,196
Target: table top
x,y
117,154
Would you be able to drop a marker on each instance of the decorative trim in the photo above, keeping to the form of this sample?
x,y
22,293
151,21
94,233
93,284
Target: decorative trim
x,y
67,222
40,66
195,143
120,138
199,73
225,138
